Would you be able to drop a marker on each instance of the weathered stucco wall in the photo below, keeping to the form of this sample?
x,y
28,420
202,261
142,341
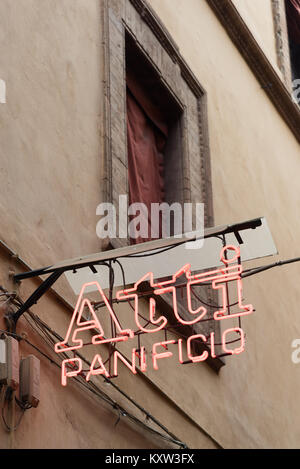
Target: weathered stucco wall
x,y
50,133
50,127
258,16
255,162
51,170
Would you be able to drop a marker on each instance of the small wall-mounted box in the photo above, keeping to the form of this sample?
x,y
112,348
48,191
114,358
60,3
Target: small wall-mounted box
x,y
30,380
9,362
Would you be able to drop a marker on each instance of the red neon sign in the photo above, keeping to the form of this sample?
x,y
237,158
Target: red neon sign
x,y
91,324
217,278
131,293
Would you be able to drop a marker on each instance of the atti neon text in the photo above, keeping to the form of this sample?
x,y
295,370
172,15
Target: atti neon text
x,y
140,358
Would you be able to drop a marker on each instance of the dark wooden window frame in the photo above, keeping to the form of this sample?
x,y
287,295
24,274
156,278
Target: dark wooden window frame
x,y
175,75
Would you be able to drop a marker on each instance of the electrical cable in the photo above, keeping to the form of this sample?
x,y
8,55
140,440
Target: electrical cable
x,y
6,397
17,301
207,304
147,321
90,385
154,253
128,300
47,338
108,400
171,329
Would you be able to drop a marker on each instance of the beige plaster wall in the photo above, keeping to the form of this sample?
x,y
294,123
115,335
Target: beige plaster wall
x,y
50,127
255,163
258,16
72,417
50,132
51,170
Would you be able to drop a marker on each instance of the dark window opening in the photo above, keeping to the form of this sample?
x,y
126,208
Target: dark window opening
x,y
293,24
153,138
155,157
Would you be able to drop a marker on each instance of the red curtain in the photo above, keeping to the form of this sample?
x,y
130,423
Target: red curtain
x,y
293,17
147,134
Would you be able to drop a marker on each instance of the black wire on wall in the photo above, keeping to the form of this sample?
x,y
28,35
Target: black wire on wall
x,y
47,334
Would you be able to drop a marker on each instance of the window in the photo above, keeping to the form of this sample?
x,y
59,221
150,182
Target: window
x,y
153,139
151,91
293,24
137,44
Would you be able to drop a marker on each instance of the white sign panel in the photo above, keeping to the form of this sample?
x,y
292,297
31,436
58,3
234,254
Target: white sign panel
x,y
257,243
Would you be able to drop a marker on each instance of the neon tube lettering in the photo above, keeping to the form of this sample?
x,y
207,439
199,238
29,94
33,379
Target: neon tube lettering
x,y
143,363
68,374
168,287
238,350
223,253
131,366
180,354
198,358
230,274
218,278
90,324
99,370
131,294
212,345
156,356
